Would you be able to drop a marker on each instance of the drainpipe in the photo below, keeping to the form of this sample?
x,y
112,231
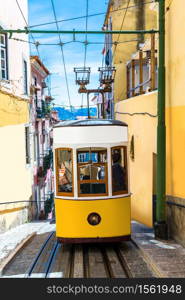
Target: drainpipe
x,y
160,227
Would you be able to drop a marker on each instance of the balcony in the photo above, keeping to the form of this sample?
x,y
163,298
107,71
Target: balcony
x,y
39,113
44,111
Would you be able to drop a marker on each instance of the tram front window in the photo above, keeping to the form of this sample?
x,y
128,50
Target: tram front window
x,y
119,170
92,171
64,171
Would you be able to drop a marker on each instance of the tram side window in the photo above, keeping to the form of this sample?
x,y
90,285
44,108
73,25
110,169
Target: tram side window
x,y
92,171
119,170
64,169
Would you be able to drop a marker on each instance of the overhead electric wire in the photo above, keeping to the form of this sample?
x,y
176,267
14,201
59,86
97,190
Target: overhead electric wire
x,y
62,51
86,28
74,106
72,41
123,20
92,15
85,44
35,43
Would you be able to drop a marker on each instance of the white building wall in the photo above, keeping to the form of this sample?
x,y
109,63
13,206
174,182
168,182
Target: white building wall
x,y
11,18
15,178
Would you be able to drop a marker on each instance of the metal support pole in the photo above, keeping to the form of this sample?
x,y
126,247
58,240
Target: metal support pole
x,y
133,77
88,106
141,71
153,62
103,105
74,32
161,225
98,110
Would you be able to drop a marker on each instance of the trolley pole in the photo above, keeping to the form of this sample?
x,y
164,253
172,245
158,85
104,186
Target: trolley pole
x,y
160,227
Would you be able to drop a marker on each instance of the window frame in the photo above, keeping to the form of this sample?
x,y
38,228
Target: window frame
x,y
4,47
140,63
126,165
25,76
70,194
105,164
27,145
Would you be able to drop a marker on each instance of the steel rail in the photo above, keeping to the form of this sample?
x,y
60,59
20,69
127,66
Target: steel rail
x,y
51,258
30,270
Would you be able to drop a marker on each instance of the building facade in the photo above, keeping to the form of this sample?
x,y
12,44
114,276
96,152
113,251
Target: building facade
x,y
139,111
42,119
125,15
15,178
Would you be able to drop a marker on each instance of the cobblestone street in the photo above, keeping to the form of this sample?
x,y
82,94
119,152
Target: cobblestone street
x,y
10,239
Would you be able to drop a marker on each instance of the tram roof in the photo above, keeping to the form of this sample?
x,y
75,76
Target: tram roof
x,y
90,122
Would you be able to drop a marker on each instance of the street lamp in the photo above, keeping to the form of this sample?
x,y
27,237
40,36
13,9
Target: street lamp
x,y
107,75
82,76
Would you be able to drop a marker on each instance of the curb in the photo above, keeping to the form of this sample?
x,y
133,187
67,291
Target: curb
x,y
15,251
149,260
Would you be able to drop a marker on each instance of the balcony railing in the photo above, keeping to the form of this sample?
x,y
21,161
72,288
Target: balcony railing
x,y
142,72
44,111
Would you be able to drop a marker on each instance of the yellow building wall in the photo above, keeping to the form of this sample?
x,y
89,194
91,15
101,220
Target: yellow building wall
x,y
122,53
13,110
15,176
175,101
143,128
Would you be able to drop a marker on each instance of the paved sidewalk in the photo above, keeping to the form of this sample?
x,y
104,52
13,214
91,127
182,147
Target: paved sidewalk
x,y
167,258
10,239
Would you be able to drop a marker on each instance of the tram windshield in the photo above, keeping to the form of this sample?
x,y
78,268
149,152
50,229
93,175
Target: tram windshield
x,y
92,171
64,171
119,170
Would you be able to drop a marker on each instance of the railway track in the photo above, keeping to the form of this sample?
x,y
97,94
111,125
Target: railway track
x,y
55,260
88,261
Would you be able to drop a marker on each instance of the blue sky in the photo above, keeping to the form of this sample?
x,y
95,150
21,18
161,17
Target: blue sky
x,y
41,12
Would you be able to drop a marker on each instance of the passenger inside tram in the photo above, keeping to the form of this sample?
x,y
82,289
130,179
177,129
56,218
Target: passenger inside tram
x,y
65,171
92,175
118,171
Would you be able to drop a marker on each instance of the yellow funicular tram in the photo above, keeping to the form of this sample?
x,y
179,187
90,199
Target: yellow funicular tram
x,y
92,197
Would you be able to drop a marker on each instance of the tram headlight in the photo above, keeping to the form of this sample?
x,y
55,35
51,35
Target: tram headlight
x,y
94,219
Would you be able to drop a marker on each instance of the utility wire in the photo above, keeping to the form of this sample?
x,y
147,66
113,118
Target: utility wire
x,y
86,28
92,15
74,106
62,51
72,41
136,113
35,43
123,20
85,53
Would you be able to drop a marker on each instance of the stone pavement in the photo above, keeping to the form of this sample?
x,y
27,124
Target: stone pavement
x,y
13,237
167,258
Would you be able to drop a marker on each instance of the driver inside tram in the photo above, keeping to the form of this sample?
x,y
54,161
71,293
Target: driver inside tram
x,y
118,172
